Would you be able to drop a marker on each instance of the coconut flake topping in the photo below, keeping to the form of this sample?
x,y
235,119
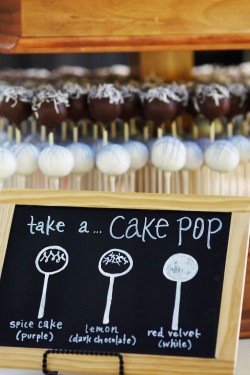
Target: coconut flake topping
x,y
162,93
16,93
57,97
215,91
107,90
74,90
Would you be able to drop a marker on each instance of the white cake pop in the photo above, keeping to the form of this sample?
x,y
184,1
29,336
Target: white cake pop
x,y
56,161
83,162
243,146
194,156
113,160
168,154
8,165
222,156
27,161
194,160
83,158
138,154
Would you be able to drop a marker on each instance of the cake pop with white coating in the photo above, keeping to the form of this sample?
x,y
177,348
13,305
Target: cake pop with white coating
x,y
194,156
56,161
138,154
27,158
243,146
169,154
83,158
222,156
8,165
113,160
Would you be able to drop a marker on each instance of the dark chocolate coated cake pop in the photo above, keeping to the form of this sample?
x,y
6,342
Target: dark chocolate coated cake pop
x,y
16,104
78,107
159,104
105,103
181,91
50,107
213,101
238,97
131,107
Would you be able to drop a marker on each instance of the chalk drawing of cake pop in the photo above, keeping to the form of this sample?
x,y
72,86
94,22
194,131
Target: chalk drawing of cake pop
x,y
179,268
113,263
50,260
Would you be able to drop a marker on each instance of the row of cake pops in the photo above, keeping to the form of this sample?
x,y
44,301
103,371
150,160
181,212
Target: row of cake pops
x,y
208,73
106,103
160,165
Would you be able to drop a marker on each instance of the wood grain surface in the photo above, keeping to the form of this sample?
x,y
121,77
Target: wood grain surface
x,y
117,25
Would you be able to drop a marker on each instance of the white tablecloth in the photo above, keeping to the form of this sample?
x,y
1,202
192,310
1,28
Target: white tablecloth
x,y
242,366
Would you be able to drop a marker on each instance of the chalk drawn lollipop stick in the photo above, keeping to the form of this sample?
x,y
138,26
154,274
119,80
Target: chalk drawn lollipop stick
x,y
50,260
113,263
179,268
109,300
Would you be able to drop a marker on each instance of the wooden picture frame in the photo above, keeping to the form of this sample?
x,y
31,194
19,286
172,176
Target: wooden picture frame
x,y
135,364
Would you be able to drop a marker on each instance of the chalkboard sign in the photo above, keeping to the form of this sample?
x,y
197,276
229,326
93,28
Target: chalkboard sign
x,y
147,281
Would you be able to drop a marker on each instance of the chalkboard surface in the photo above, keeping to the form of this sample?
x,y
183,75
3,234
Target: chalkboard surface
x,y
107,279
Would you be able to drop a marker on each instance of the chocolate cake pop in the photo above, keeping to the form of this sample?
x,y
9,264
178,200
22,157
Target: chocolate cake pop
x,y
50,107
238,96
105,103
159,104
181,92
78,108
213,101
131,107
16,104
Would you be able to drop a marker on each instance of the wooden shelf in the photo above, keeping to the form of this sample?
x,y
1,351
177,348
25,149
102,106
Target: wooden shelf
x,y
40,26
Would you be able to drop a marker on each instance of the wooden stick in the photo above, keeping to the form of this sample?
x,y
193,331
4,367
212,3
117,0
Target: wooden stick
x,y
104,136
51,138
18,135
167,176
174,129
185,181
75,134
212,131
126,131
112,183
